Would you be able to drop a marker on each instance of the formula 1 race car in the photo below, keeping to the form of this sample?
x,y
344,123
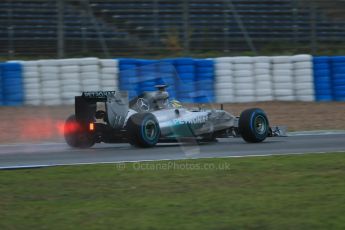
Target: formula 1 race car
x,y
108,116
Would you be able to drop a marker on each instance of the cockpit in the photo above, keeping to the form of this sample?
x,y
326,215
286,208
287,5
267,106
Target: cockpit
x,y
152,101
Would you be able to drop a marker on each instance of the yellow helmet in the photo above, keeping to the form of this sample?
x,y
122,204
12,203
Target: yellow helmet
x,y
176,104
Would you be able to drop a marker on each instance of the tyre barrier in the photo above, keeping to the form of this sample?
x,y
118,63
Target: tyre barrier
x,y
338,77
322,78
89,74
11,84
186,79
244,81
31,83
262,74
148,75
128,76
204,75
109,71
282,78
56,81
168,75
70,79
303,77
224,79
1,93
221,80
49,71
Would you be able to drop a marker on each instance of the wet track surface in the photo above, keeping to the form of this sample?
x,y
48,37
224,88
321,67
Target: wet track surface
x,y
47,154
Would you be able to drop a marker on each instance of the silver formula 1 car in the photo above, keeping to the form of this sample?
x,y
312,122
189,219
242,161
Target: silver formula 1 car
x,y
150,118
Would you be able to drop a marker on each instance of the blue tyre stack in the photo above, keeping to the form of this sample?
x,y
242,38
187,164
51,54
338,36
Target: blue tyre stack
x,y
204,70
322,78
1,93
186,79
168,76
12,86
128,76
338,77
148,76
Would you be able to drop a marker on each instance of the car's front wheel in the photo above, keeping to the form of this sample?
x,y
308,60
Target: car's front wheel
x,y
75,134
143,130
253,125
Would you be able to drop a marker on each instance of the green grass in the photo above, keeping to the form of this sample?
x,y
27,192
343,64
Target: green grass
x,y
279,192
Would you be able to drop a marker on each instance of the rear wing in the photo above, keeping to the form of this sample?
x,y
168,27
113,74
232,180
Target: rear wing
x,y
116,106
98,95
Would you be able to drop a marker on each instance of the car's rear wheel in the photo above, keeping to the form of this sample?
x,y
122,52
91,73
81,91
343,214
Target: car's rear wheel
x,y
75,134
253,125
143,130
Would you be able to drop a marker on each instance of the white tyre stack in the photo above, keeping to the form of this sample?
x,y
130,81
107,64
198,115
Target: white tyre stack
x,y
31,83
303,76
282,78
224,86
50,82
244,79
89,75
70,80
263,79
109,71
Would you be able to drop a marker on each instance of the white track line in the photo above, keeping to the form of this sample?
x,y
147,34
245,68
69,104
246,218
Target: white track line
x,y
316,133
138,161
28,143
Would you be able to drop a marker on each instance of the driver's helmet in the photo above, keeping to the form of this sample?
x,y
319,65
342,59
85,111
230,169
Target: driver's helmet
x,y
161,97
176,104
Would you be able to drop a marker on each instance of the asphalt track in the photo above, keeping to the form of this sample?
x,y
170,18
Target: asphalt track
x,y
52,154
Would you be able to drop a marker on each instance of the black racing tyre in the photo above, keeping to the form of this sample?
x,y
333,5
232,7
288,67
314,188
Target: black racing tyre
x,y
253,125
75,135
143,130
